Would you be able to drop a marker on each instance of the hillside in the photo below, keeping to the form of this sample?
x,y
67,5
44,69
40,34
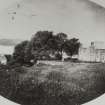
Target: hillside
x,y
66,84
9,42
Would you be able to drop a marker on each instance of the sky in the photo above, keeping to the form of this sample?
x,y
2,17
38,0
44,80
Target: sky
x,y
20,19
4,3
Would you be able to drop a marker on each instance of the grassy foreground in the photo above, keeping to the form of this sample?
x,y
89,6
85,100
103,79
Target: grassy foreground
x,y
65,84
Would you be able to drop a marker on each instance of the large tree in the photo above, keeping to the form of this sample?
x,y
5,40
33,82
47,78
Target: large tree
x,y
29,57
60,39
40,44
40,39
45,43
71,46
19,52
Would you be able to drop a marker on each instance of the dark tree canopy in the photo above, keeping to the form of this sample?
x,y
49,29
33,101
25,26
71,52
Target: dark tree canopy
x,y
45,45
40,39
71,46
42,42
19,52
60,39
29,57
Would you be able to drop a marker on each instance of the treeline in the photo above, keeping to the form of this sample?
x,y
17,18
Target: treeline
x,y
44,45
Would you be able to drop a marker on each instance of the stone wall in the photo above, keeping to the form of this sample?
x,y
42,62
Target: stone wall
x,y
91,54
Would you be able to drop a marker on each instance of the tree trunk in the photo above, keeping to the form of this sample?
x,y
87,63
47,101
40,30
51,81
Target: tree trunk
x,y
62,58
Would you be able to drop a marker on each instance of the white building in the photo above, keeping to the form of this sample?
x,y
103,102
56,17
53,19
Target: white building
x,y
94,53
5,50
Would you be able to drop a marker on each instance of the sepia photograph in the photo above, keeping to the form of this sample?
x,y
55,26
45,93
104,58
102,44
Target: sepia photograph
x,y
52,52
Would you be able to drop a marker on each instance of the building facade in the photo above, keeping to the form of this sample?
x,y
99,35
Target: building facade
x,y
5,50
94,53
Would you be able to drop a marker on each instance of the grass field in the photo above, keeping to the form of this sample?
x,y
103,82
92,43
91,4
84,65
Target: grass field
x,y
65,84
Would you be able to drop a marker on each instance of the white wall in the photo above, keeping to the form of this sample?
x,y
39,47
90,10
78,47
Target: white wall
x,y
6,49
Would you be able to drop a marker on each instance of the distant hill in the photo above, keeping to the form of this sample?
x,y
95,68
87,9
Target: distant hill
x,y
9,42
